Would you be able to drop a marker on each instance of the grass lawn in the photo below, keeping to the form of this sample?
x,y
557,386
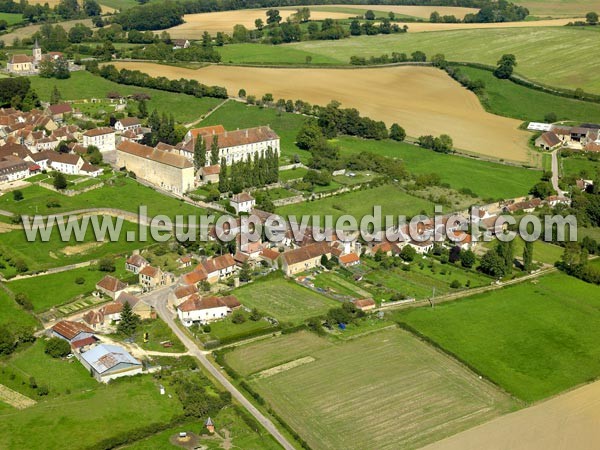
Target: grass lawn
x,y
39,255
120,407
55,289
10,18
226,329
419,282
61,376
580,167
158,331
292,174
527,338
279,193
273,54
13,314
390,391
234,115
486,179
283,299
543,252
334,283
391,198
84,85
506,98
122,193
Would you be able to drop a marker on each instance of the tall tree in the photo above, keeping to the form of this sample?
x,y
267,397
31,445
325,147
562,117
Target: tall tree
x,y
214,151
199,153
129,320
528,256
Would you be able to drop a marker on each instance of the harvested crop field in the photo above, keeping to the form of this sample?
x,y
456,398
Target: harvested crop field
x,y
406,10
418,27
196,24
421,99
30,30
567,421
560,8
386,390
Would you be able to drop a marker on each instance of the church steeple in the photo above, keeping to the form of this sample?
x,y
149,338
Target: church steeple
x,y
37,52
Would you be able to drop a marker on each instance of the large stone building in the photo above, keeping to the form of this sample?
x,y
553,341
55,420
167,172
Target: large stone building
x,y
234,146
164,169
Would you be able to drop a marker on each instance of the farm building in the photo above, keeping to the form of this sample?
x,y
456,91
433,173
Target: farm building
x,y
72,331
548,141
107,362
180,294
210,174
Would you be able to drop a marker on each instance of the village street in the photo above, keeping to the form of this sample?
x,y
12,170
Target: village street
x,y
157,299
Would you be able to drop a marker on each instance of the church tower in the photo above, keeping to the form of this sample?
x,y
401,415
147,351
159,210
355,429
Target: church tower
x,y
37,53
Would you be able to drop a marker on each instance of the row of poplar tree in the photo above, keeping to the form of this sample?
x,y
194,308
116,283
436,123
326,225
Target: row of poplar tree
x,y
256,171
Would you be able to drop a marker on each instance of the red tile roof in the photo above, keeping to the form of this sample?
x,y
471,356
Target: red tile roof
x,y
69,329
218,263
185,291
305,253
150,271
111,284
163,157
270,254
60,108
349,258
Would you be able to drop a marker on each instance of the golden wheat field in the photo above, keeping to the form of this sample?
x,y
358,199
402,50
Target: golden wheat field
x,y
422,99
567,421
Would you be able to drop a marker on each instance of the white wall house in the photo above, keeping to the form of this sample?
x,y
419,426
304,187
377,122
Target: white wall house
x,y
242,202
128,123
206,309
104,138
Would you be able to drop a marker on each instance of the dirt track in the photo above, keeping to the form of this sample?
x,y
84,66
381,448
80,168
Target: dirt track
x,y
569,421
422,99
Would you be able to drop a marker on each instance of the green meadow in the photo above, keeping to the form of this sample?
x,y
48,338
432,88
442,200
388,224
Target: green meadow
x,y
527,338
84,85
486,179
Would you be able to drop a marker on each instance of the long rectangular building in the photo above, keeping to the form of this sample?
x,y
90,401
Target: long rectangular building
x,y
234,146
164,169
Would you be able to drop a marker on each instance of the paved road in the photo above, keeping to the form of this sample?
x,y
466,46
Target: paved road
x,y
555,173
158,300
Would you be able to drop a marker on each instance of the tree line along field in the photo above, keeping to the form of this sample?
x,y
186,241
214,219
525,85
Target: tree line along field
x,y
11,313
422,99
390,391
83,85
529,45
505,98
535,339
